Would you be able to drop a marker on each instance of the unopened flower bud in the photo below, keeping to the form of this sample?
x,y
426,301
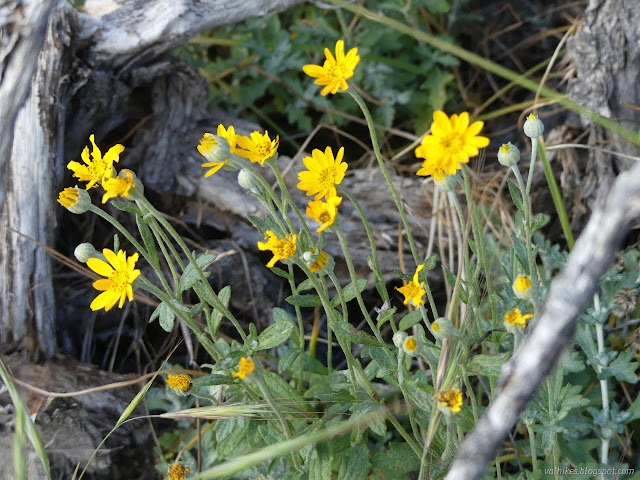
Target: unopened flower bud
x,y
533,127
448,183
508,155
399,338
75,199
443,328
85,251
411,345
247,181
523,288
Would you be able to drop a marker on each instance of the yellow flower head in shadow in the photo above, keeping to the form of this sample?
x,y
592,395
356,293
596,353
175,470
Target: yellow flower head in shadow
x,y
245,367
258,148
177,472
449,401
324,212
516,319
336,70
282,248
180,383
413,291
452,142
96,168
323,174
120,273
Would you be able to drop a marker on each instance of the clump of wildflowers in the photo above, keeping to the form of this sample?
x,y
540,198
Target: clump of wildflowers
x,y
336,70
120,272
282,248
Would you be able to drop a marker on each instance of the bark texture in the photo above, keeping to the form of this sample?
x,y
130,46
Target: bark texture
x,y
606,56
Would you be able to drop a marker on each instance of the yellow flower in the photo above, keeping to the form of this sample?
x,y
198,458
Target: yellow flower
x,y
336,70
180,383
522,287
258,148
413,291
120,273
210,149
245,367
452,142
118,186
410,345
75,199
177,472
96,169
324,212
515,318
229,135
449,401
323,174
281,248
320,263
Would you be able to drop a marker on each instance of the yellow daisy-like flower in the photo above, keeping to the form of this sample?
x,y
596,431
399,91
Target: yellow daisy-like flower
x,y
320,263
229,135
281,248
413,291
98,168
452,142
177,472
516,319
258,148
245,367
336,70
75,199
180,383
449,401
118,186
120,273
323,174
324,212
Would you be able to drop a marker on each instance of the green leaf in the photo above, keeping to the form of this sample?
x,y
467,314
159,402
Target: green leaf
x,y
147,238
349,292
211,380
274,335
284,392
348,331
384,360
378,424
521,254
126,207
451,278
623,368
540,220
438,6
355,463
271,435
224,295
410,319
281,315
398,457
235,432
516,196
281,273
385,316
288,359
313,365
487,365
304,300
190,275
305,285
430,263
321,462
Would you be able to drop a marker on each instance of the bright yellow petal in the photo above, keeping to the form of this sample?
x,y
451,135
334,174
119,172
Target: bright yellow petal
x,y
100,267
102,284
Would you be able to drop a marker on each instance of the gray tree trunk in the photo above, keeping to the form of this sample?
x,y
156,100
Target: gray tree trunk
x,y
79,76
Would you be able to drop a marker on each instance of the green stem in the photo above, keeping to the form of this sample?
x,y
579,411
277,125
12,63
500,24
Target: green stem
x,y
557,197
532,446
292,284
161,240
394,193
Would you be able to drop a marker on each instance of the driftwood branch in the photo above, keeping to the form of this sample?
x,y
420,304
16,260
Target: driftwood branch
x,y
570,292
141,30
23,25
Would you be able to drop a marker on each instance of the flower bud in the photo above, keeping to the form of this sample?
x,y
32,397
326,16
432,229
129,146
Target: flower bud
x,y
85,251
443,328
508,155
523,288
411,345
448,183
247,181
399,338
318,262
75,199
533,126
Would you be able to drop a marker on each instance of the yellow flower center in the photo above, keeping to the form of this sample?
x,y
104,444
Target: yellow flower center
x,y
412,290
452,142
179,382
324,217
119,280
328,177
410,344
505,148
452,399
436,327
245,367
177,472
284,249
263,149
336,72
522,284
